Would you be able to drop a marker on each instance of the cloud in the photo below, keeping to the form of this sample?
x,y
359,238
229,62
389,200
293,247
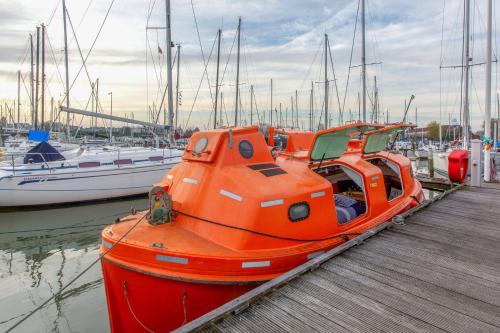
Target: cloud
x,y
280,40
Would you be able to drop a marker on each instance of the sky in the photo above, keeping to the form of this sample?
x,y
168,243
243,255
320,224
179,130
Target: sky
x,y
281,40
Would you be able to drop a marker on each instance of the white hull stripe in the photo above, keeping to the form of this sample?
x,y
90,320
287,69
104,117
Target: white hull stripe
x,y
107,244
254,264
231,195
175,260
272,203
190,181
314,254
318,194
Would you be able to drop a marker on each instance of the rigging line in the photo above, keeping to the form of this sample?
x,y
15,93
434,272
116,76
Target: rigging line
x,y
228,58
342,235
91,47
150,10
53,13
199,85
311,64
85,66
154,67
350,58
225,112
58,62
54,296
78,46
164,94
54,58
202,52
335,82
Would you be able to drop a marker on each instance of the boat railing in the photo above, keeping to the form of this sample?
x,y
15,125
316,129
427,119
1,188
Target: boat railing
x,y
14,156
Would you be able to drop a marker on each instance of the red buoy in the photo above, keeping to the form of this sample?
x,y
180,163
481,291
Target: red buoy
x,y
458,165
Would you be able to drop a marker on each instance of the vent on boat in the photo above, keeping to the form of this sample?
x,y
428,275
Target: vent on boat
x,y
262,166
272,172
267,169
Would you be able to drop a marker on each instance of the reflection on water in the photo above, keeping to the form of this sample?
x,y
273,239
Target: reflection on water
x,y
40,251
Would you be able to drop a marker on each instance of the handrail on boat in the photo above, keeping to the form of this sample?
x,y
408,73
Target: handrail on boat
x,y
13,163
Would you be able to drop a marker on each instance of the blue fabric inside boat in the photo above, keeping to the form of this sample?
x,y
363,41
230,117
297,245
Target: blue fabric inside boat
x,y
42,152
347,208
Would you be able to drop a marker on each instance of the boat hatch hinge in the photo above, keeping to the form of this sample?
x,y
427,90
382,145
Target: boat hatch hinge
x,y
158,245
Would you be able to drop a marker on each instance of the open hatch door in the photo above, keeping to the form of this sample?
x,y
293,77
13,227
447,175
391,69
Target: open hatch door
x,y
331,143
377,140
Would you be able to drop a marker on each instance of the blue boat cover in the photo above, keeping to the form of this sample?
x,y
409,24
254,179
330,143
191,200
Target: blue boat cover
x,y
38,135
42,152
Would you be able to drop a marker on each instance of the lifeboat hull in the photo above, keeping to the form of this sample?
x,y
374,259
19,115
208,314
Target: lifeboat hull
x,y
139,302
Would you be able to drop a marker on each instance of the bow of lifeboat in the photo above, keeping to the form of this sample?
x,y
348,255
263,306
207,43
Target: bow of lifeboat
x,y
233,216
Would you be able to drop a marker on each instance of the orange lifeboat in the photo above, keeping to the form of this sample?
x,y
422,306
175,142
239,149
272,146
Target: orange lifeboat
x,y
231,216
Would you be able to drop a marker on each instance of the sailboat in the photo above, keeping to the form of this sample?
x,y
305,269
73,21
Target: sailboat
x,y
442,159
231,216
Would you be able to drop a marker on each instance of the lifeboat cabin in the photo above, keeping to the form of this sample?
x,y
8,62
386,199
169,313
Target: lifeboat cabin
x,y
231,216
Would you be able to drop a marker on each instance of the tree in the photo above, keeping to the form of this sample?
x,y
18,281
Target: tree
x,y
433,131
127,131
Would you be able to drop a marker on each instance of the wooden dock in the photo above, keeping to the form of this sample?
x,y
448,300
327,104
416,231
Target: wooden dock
x,y
437,271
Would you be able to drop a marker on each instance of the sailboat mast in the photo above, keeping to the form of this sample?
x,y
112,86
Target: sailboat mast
x,y
251,105
68,130
297,107
326,81
18,97
169,71
363,57
271,109
219,33
487,102
177,93
311,107
32,97
466,64
237,76
42,120
37,75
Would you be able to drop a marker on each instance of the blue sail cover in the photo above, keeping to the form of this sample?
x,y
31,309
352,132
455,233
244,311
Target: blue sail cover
x,y
38,135
43,152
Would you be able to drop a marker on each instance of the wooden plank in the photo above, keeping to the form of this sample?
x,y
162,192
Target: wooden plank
x,y
320,321
432,250
457,301
453,238
459,282
440,219
443,262
364,308
430,312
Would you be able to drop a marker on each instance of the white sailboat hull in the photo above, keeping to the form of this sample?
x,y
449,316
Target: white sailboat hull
x,y
68,187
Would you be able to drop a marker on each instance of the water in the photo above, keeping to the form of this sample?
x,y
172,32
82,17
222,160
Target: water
x,y
36,263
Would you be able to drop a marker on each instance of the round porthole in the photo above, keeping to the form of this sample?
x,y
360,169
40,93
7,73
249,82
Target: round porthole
x,y
246,149
299,211
200,145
